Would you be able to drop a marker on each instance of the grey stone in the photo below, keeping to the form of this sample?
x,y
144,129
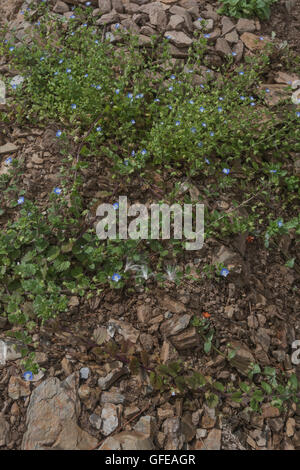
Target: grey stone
x,y
104,6
112,397
227,25
110,418
52,415
60,7
8,148
108,19
175,22
127,440
245,26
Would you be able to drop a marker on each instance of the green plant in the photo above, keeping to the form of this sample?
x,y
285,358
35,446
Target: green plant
x,y
247,9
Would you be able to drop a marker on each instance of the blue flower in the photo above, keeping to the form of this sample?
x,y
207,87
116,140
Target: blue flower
x,y
99,129
233,54
252,104
60,61
42,58
84,25
200,144
57,190
298,113
203,124
143,152
129,95
88,3
207,161
224,272
207,36
116,277
242,98
177,123
68,70
117,91
169,106
72,16
21,200
55,73
226,171
126,162
261,38
139,95
193,130
28,376
280,223
191,102
211,133
73,106
8,161
133,153
11,48
273,171
267,90
241,73
170,88
251,98
96,41
220,109
86,75
58,133
98,87
117,25
221,98
172,77
116,206
201,109
132,121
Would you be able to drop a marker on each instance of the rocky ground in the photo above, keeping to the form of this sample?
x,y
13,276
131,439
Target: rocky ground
x,y
78,401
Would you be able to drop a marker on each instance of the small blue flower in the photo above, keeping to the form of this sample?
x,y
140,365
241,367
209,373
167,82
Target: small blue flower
x,y
261,38
241,73
143,152
207,36
98,87
57,190
200,144
73,106
252,98
220,109
193,130
86,75
242,98
133,153
55,73
207,161
203,124
28,376
68,70
8,161
267,90
58,133
129,95
116,206
84,25
132,121
117,25
168,36
116,277
96,41
11,48
172,77
126,162
99,129
280,223
221,98
233,54
170,88
88,3
177,123
21,200
298,113
72,16
211,133
117,91
42,58
139,95
201,109
169,106
191,102
224,272
226,171
252,104
60,61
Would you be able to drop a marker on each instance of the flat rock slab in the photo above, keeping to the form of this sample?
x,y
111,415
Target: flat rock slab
x,y
52,418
